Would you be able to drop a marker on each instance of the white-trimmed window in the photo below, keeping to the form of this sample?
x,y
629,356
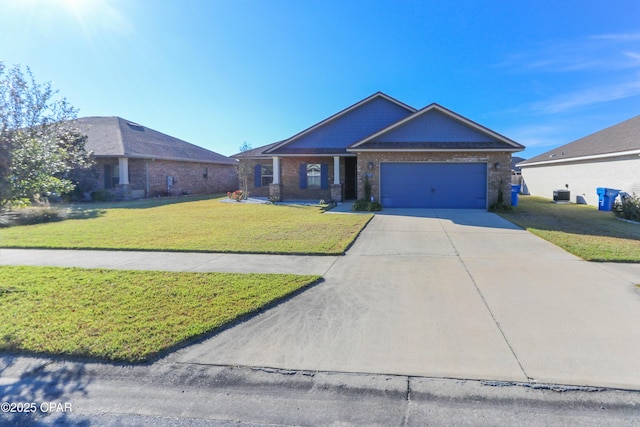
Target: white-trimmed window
x,y
313,175
266,174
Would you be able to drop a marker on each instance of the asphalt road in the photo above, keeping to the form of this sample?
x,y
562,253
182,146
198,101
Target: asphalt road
x,y
168,394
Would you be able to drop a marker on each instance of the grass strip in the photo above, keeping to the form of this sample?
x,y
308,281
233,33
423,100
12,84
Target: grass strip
x,y
125,315
582,230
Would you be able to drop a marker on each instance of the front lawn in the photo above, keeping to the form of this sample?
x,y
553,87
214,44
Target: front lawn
x,y
200,226
579,229
125,315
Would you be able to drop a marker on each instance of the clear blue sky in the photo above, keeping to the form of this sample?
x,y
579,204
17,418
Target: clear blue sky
x,y
220,72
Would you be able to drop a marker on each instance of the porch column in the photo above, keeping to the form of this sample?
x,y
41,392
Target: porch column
x,y
336,187
276,170
275,189
123,170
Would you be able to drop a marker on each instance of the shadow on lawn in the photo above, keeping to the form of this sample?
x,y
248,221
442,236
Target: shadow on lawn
x,y
151,202
34,391
575,219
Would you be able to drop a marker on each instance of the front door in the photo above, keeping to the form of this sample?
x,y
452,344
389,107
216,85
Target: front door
x,y
350,178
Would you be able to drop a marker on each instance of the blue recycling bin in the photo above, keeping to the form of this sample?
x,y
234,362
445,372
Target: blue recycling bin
x,y
515,190
606,197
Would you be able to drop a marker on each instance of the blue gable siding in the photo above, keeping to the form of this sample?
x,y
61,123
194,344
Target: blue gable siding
x,y
433,126
351,127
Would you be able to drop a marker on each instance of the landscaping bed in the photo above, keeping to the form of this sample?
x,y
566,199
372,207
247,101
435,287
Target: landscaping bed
x,y
125,315
582,230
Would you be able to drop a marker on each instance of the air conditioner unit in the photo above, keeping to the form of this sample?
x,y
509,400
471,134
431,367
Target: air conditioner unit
x,y
561,195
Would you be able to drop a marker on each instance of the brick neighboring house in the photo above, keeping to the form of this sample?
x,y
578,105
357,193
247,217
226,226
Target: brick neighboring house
x,y
430,157
133,161
607,158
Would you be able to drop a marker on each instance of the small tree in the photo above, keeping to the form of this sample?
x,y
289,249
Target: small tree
x,y
244,170
37,148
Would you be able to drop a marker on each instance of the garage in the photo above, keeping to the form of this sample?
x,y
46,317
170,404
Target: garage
x,y
434,185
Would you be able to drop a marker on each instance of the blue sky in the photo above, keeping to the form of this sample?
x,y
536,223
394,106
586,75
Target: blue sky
x,y
217,73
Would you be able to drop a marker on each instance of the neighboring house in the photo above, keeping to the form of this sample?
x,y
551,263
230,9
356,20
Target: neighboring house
x,y
608,158
431,157
516,173
133,161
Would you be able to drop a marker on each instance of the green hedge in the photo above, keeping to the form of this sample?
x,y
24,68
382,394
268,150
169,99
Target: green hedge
x,y
629,208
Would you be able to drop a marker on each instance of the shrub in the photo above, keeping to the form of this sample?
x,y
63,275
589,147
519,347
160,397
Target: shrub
x,y
102,196
29,216
500,205
237,195
629,208
367,187
363,205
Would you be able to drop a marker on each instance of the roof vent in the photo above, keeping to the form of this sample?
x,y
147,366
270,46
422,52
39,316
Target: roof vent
x,y
552,155
135,126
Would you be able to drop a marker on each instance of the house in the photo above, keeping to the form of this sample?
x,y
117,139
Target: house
x,y
608,158
430,157
133,161
516,173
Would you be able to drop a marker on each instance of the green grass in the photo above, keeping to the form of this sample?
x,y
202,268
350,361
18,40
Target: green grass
x,y
579,229
199,226
125,315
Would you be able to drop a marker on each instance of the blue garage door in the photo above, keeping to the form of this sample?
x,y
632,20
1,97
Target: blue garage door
x,y
434,185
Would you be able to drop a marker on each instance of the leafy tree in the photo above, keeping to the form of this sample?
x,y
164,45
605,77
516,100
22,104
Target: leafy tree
x,y
37,148
245,147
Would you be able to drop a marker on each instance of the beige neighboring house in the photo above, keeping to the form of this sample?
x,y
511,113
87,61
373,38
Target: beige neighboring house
x,y
134,161
609,158
412,158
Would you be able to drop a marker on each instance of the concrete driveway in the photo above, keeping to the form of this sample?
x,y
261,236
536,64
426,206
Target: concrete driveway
x,y
449,293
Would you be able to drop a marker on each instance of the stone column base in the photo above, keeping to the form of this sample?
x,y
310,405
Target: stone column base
x,y
336,192
275,192
123,192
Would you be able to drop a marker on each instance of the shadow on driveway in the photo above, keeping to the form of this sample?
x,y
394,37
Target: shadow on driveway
x,y
464,217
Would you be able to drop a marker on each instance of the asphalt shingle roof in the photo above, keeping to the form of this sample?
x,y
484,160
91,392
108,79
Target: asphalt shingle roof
x,y
118,137
624,136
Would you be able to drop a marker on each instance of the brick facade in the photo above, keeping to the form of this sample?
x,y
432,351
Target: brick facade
x,y
494,176
290,180
149,177
290,185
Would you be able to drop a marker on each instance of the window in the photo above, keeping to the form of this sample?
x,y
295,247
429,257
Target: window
x,y
205,172
262,175
266,172
313,175
111,176
116,176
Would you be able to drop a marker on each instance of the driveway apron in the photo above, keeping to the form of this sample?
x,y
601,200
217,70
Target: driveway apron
x,y
400,302
449,293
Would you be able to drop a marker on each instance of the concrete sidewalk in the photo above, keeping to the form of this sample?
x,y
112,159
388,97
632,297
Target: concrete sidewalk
x,y
169,261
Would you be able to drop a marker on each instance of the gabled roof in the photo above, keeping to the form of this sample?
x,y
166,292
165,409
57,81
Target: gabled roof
x,y
348,125
334,134
118,137
435,128
617,140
